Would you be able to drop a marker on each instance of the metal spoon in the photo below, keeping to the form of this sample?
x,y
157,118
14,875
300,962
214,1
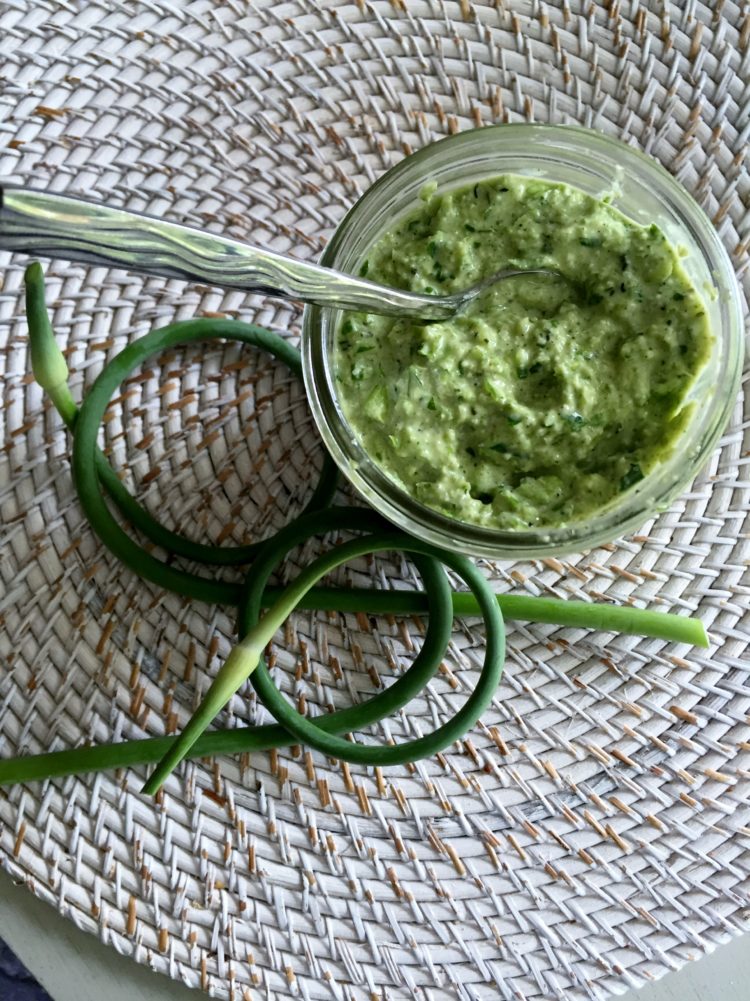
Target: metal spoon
x,y
50,225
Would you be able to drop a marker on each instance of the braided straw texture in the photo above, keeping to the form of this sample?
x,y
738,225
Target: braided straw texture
x,y
592,832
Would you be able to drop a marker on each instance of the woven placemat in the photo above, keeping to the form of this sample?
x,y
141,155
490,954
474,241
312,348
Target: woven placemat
x,y
592,832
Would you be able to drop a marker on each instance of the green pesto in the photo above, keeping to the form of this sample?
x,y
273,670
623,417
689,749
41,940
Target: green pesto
x,y
550,396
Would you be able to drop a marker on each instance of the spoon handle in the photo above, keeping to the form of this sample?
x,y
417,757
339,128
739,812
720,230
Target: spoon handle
x,y
51,225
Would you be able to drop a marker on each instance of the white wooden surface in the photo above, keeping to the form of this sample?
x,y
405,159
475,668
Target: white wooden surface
x,y
73,966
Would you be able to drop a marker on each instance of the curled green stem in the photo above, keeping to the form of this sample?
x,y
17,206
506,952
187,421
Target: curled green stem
x,y
51,372
243,740
47,360
556,611
245,656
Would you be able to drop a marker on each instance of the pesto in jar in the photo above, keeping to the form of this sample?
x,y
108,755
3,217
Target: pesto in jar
x,y
550,396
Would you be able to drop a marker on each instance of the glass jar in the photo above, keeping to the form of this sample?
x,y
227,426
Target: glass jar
x,y
643,191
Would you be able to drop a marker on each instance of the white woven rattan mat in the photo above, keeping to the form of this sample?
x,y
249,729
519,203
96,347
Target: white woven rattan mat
x,y
593,831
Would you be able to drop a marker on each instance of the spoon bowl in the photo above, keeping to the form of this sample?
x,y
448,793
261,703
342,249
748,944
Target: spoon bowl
x,y
459,302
